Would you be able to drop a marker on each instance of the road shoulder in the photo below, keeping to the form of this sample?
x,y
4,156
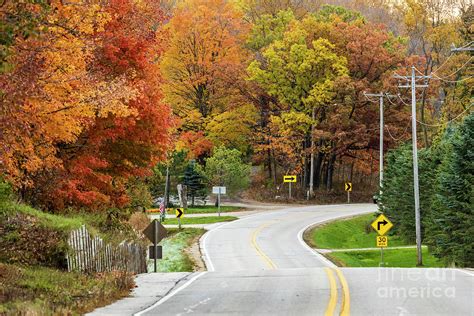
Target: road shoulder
x,y
150,288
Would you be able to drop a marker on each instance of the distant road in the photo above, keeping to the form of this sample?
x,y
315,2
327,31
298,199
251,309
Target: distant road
x,y
259,265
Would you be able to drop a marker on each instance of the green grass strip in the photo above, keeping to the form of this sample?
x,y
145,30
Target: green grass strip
x,y
199,220
175,258
400,258
348,233
209,209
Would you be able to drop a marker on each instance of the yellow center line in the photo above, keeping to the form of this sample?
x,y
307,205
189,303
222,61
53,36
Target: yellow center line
x,y
267,260
333,296
346,298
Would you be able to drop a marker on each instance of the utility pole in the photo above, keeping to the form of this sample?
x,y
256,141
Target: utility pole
x,y
167,186
411,83
381,96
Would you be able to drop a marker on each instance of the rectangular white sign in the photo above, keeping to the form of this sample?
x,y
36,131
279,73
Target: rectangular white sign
x,y
216,190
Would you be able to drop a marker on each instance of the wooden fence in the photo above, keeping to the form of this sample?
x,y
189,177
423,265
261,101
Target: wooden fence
x,y
87,254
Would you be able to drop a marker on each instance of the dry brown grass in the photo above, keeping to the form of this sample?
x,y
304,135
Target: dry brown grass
x,y
139,221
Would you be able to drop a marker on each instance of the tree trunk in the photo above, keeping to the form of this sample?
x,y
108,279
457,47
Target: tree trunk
x,y
274,168
311,172
318,166
352,172
269,162
331,162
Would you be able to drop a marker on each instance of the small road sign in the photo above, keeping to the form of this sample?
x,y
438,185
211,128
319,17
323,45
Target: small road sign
x,y
159,252
149,232
382,241
348,186
179,212
382,225
155,232
219,190
289,179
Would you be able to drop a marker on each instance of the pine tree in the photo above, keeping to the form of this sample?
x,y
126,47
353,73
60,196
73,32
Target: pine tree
x,y
194,181
452,233
398,196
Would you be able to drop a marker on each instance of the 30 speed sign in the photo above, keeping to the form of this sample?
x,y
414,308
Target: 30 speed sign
x,y
382,241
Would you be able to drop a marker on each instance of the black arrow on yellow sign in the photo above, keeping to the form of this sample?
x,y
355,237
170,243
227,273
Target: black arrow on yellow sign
x,y
381,223
179,212
348,186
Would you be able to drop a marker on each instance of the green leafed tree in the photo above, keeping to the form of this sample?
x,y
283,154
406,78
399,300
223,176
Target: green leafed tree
x,y
233,128
226,168
301,72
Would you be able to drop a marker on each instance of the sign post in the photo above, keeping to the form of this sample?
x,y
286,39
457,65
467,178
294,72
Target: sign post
x,y
348,188
219,191
155,232
382,225
289,179
179,214
382,242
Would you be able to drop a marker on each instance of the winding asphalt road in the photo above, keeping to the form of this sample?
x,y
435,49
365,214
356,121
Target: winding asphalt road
x,y
259,265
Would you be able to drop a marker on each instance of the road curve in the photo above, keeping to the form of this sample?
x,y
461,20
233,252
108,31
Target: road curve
x,y
259,265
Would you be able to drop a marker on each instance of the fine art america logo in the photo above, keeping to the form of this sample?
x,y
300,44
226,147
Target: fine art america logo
x,y
396,283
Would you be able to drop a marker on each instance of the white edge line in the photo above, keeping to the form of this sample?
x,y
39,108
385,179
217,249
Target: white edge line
x,y
170,295
322,258
207,261
464,271
210,265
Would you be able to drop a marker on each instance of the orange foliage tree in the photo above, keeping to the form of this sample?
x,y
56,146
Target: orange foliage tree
x,y
84,102
203,59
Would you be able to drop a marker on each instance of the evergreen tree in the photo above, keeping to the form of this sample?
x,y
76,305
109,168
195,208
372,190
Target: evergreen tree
x,y
398,194
451,230
194,181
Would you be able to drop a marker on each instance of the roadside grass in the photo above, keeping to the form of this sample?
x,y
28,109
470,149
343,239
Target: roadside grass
x,y
47,220
177,255
209,209
354,232
400,258
36,290
33,276
199,220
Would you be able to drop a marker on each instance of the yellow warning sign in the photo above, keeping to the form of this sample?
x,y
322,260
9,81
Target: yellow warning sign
x,y
382,241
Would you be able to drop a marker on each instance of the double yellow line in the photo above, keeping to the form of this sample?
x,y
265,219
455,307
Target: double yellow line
x,y
265,258
346,298
331,307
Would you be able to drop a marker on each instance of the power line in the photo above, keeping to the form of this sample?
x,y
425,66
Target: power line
x,y
452,81
452,120
467,62
391,136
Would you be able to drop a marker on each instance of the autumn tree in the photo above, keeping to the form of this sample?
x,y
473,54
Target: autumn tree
x,y
344,117
118,148
301,74
83,104
202,56
432,28
50,96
